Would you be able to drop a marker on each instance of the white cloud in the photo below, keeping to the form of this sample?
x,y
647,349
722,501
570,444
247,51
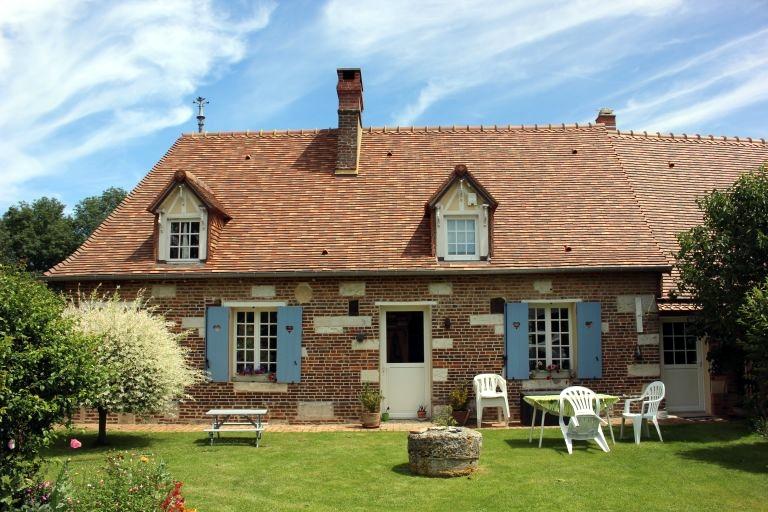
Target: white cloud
x,y
81,76
707,86
457,46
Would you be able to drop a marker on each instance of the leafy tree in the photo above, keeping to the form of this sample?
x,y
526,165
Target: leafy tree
x,y
45,368
91,211
6,253
142,367
39,234
722,260
754,319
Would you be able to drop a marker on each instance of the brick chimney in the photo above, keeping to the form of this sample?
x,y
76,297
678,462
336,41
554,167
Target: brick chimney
x,y
350,91
607,117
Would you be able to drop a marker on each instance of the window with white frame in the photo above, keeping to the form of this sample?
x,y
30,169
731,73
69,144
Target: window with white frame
x,y
550,340
461,237
255,343
184,240
680,344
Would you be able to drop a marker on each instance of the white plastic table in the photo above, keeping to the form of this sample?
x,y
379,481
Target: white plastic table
x,y
551,404
251,421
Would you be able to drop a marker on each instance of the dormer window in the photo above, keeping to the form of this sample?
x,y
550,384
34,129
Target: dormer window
x,y
461,210
188,216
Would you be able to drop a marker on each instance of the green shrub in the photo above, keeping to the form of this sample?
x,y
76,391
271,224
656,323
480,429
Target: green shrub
x,y
370,398
128,482
754,318
45,368
444,418
459,397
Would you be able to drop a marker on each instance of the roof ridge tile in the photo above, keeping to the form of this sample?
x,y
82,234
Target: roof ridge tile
x,y
397,129
695,137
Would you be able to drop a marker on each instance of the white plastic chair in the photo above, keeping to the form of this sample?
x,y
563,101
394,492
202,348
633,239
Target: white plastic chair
x,y
649,410
490,391
585,422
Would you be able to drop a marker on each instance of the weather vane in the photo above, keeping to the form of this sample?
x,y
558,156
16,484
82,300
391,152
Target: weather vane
x,y
201,102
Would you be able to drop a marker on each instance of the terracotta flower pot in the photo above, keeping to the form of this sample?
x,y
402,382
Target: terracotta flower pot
x,y
370,419
461,417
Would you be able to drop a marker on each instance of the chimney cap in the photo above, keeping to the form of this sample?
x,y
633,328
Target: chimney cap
x,y
606,117
346,74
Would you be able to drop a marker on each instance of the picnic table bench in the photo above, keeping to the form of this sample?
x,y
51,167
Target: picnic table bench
x,y
250,421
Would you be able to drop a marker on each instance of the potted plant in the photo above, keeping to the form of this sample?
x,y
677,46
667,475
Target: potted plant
x,y
422,413
370,398
459,398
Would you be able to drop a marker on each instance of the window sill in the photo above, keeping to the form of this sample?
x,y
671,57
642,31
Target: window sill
x,y
260,387
478,261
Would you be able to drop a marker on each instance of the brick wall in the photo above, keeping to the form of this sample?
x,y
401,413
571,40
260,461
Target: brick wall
x,y
331,370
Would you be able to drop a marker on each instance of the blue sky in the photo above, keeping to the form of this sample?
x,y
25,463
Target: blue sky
x,y
93,93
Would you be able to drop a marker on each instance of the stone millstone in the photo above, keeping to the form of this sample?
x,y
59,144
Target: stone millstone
x,y
444,451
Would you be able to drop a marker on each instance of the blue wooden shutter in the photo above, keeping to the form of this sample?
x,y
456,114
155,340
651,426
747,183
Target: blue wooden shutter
x,y
589,342
516,339
217,343
289,344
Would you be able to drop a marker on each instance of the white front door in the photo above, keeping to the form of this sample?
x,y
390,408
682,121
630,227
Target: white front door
x,y
682,368
405,361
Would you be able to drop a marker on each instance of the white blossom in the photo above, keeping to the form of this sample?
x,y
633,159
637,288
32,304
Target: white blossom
x,y
144,367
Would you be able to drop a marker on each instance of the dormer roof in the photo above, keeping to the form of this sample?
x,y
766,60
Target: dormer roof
x,y
460,172
198,186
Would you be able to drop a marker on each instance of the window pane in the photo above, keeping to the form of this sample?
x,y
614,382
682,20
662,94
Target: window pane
x,y
174,253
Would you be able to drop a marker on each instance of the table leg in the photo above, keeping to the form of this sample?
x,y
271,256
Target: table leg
x,y
610,424
533,425
541,435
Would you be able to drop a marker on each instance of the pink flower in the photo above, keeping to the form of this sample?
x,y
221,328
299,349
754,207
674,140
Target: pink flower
x,y
75,444
11,444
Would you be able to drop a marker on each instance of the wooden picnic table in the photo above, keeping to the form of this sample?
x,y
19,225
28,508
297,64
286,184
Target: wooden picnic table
x,y
246,420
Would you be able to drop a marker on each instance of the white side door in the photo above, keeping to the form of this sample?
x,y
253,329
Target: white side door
x,y
405,362
682,368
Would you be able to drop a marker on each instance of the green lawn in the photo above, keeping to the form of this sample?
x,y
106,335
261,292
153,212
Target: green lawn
x,y
699,467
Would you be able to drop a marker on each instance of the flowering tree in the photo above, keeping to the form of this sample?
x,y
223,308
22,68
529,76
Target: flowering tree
x,y
142,367
45,368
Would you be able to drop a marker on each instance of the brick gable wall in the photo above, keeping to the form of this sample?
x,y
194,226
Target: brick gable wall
x,y
331,369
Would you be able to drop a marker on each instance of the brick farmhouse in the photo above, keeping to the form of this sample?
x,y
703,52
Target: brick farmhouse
x,y
306,263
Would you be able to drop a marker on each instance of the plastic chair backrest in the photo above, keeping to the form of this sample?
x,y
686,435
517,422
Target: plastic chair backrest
x,y
583,400
652,397
488,382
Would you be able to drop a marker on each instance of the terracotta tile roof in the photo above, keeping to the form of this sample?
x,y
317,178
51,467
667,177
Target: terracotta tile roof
x,y
668,173
677,307
556,186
